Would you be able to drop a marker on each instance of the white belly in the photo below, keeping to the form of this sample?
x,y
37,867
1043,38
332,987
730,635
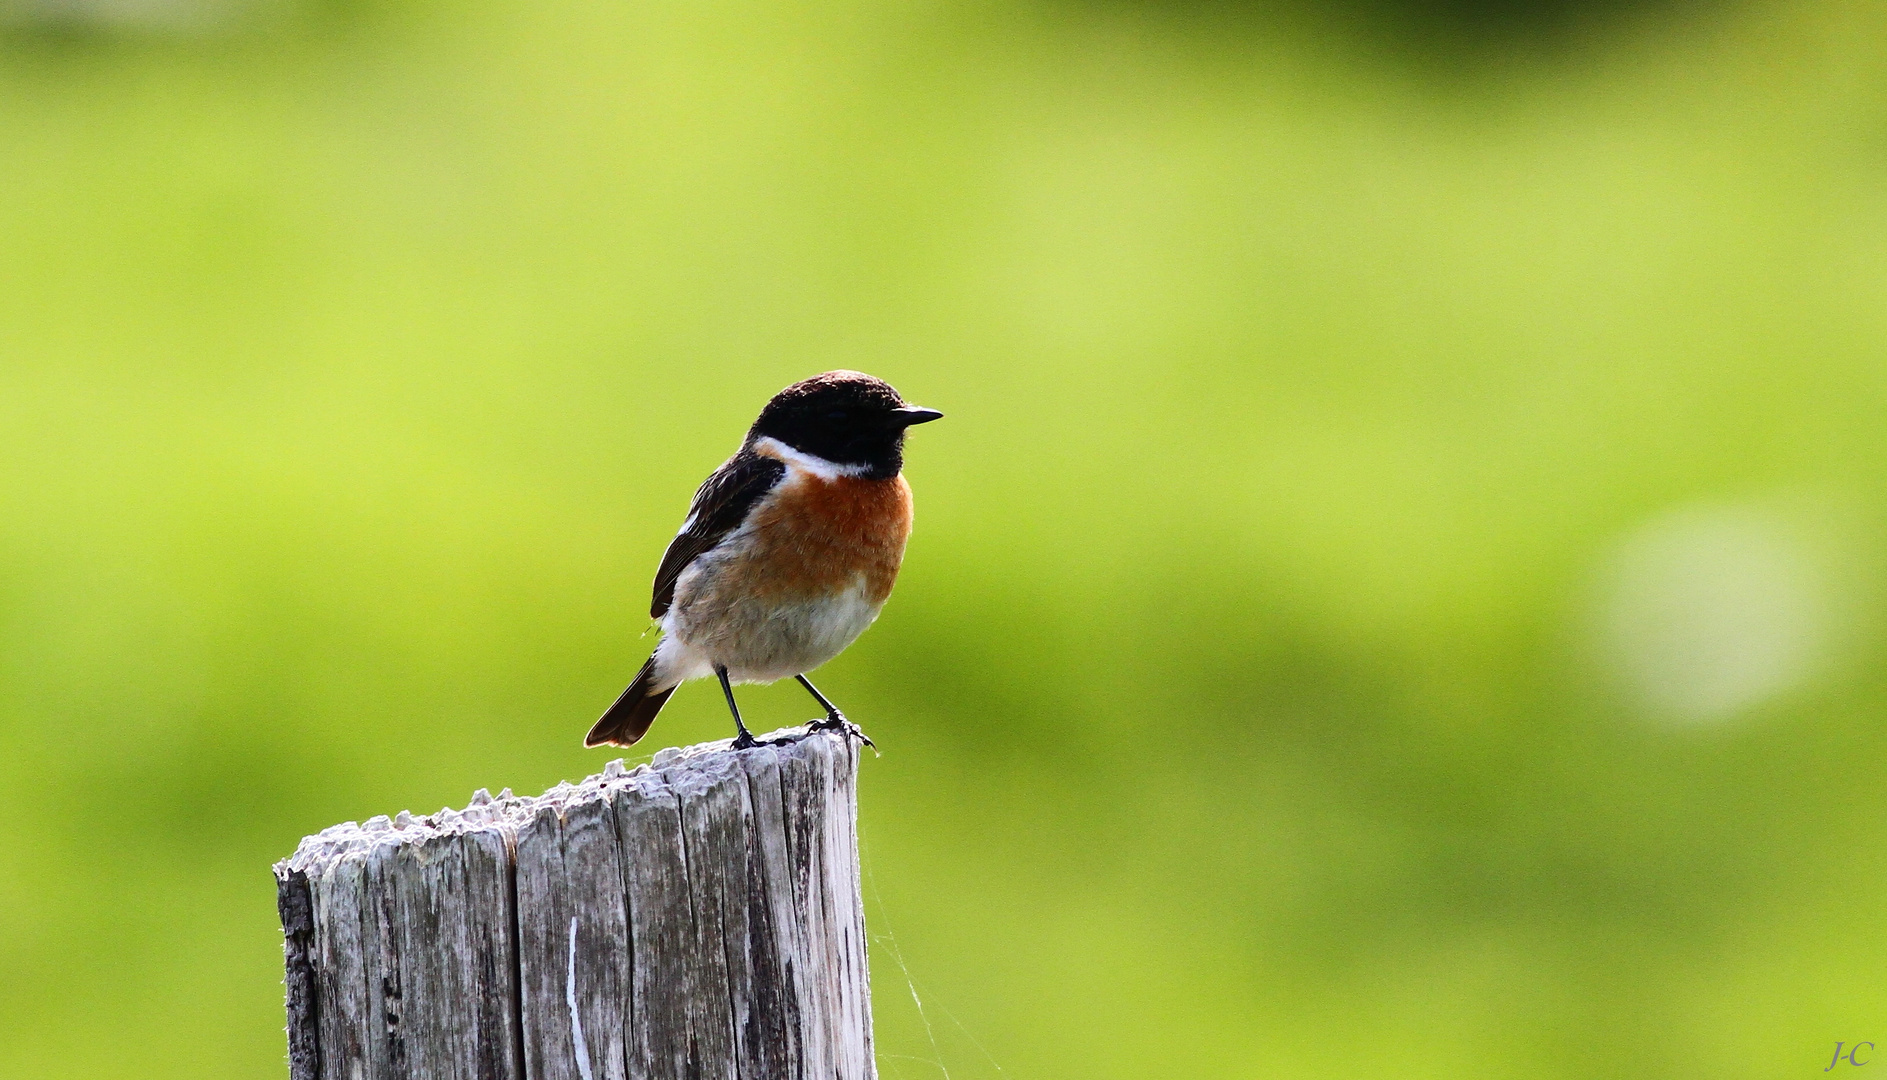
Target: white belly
x,y
762,642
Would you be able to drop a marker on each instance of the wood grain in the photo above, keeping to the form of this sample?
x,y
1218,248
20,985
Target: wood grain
x,y
697,918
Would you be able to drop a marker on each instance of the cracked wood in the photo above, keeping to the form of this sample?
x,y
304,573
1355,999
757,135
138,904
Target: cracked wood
x,y
693,919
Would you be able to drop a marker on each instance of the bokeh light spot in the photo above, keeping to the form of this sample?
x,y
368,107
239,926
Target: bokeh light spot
x,y
1708,610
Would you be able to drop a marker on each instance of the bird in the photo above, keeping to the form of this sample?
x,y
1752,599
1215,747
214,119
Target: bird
x,y
789,551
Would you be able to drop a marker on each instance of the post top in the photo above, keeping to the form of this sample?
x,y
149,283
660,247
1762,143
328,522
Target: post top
x,y
674,769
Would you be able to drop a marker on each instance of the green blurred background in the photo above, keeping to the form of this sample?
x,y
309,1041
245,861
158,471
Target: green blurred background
x,y
1394,594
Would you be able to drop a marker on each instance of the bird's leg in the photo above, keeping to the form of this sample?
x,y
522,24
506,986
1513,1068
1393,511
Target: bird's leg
x,y
835,720
833,715
745,738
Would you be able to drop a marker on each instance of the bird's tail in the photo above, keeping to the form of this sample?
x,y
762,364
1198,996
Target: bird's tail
x,y
629,719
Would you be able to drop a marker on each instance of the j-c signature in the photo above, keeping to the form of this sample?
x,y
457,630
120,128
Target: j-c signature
x,y
1849,1056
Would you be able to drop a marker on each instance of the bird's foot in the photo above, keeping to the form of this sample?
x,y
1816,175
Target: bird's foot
x,y
746,741
836,721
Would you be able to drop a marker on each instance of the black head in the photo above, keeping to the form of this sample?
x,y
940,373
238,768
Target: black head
x,y
845,417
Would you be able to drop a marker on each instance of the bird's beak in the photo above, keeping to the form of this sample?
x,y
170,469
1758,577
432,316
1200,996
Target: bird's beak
x,y
911,415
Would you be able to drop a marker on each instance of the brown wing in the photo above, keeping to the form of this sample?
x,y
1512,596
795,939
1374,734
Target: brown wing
x,y
719,508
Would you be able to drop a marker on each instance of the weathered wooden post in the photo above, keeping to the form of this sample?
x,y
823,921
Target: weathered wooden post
x,y
694,918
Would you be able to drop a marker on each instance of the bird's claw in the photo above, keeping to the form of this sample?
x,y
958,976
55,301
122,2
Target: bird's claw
x,y
746,741
837,722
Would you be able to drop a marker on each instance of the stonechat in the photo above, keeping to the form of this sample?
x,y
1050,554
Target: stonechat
x,y
788,553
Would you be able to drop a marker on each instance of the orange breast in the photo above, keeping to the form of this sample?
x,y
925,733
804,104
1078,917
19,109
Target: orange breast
x,y
817,536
